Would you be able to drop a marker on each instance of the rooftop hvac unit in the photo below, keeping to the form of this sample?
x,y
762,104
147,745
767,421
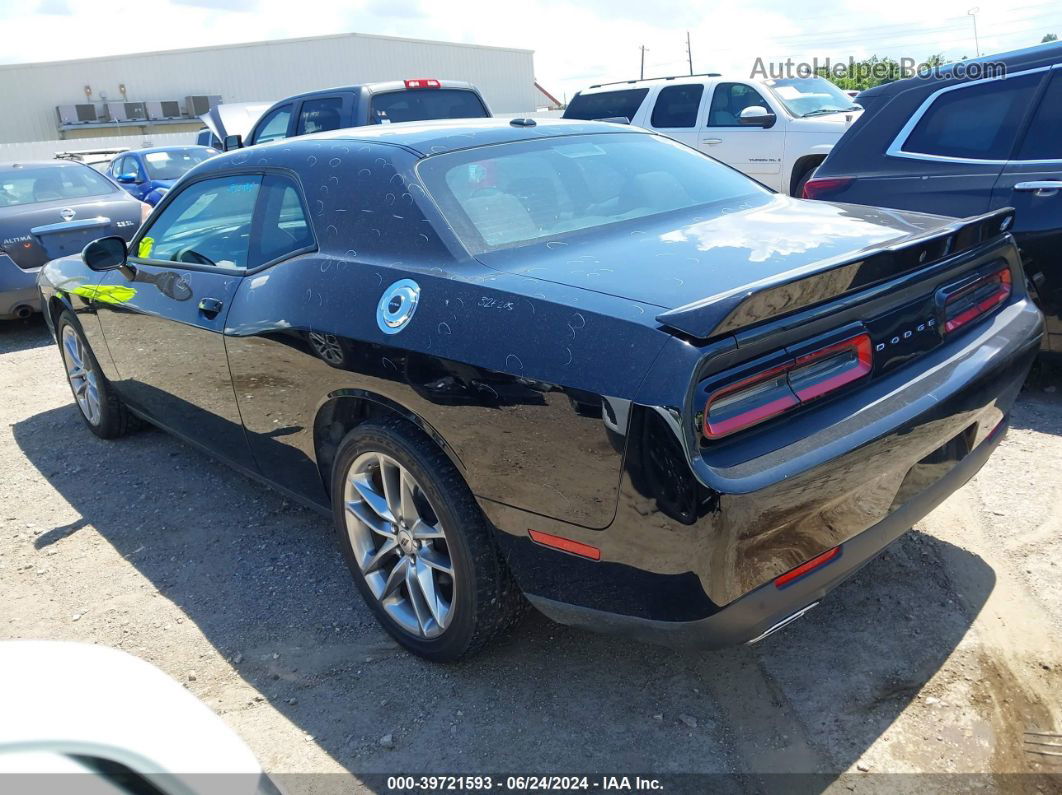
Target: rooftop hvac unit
x,y
114,111
76,114
135,110
165,109
201,103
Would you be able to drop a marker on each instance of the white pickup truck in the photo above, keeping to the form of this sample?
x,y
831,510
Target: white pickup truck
x,y
776,131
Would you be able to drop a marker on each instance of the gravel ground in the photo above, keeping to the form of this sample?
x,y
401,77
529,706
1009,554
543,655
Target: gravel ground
x,y
936,658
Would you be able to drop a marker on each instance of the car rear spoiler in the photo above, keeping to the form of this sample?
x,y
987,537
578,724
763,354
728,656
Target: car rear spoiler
x,y
824,281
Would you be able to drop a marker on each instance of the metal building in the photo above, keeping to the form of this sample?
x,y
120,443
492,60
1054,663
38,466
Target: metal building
x,y
163,92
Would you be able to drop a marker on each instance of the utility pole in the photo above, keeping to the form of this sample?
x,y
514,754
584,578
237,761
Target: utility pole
x,y
972,13
642,48
689,51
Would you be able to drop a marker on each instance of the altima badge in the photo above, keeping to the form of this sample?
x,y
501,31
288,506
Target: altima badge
x,y
67,214
397,305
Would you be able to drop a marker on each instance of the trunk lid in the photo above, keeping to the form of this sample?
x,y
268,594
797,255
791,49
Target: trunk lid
x,y
686,259
32,234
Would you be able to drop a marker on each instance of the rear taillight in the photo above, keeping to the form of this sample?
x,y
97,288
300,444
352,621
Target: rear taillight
x,y
822,187
145,211
753,400
423,82
968,302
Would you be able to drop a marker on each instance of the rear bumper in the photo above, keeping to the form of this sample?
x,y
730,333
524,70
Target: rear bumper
x,y
766,607
18,288
705,576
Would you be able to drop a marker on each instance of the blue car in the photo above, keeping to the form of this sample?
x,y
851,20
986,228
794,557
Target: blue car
x,y
149,173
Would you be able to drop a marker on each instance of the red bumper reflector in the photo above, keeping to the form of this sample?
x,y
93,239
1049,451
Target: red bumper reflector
x,y
806,568
423,82
565,544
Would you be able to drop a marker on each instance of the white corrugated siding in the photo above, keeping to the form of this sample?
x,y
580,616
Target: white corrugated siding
x,y
263,71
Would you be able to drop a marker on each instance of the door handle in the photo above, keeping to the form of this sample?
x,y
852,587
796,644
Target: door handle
x,y
711,141
210,306
1043,187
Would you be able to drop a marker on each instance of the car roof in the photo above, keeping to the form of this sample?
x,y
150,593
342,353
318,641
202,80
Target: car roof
x,y
441,135
1014,61
375,88
151,149
649,82
11,167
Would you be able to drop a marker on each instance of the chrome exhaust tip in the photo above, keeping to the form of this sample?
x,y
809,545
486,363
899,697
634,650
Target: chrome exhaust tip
x,y
783,623
24,312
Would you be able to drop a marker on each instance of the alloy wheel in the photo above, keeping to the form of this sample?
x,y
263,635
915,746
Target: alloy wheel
x,y
399,544
82,375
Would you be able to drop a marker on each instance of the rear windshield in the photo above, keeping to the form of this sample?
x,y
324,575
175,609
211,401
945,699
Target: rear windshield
x,y
426,103
507,195
28,185
606,105
174,164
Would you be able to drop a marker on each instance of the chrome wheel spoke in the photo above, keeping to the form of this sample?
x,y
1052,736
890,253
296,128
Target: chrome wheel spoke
x,y
376,501
370,518
417,596
400,547
436,560
387,549
82,377
391,478
395,578
426,578
422,531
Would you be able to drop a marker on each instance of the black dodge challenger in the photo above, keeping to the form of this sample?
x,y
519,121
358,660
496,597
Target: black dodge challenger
x,y
569,362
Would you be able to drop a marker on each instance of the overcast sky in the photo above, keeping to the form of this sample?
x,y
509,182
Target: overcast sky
x,y
576,42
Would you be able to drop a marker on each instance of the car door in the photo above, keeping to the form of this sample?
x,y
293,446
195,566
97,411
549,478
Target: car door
x,y
125,166
676,110
756,151
163,316
949,155
273,126
319,114
1031,183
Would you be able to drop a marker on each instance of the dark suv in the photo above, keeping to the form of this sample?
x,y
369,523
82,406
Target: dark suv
x,y
960,144
372,103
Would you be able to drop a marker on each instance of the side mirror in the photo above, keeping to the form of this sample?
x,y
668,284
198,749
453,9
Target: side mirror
x,y
756,116
105,254
126,179
233,142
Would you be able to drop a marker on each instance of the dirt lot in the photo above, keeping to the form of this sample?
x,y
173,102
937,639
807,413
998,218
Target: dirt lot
x,y
936,658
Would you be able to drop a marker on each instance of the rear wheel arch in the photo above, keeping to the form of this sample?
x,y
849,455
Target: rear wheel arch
x,y
801,168
341,412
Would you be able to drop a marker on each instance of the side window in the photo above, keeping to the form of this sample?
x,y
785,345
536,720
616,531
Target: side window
x,y
274,125
977,122
208,223
728,100
676,106
606,105
1043,141
283,225
118,167
318,115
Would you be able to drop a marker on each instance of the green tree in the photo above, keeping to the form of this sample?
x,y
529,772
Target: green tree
x,y
875,71
1049,37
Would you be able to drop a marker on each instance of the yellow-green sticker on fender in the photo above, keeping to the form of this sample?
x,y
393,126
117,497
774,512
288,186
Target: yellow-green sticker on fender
x,y
146,244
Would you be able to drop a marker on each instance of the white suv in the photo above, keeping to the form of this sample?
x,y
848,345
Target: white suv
x,y
776,131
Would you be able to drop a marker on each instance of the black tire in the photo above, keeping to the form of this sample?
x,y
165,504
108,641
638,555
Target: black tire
x,y
114,418
488,602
